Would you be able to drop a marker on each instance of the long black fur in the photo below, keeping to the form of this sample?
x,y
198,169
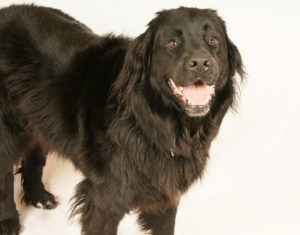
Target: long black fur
x,y
104,102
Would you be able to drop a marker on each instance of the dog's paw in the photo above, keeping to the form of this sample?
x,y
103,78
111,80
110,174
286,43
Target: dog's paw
x,y
10,227
42,200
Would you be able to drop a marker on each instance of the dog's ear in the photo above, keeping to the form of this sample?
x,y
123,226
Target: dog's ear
x,y
138,58
136,67
234,56
234,59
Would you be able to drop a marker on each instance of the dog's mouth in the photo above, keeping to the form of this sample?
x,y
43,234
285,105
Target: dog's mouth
x,y
196,98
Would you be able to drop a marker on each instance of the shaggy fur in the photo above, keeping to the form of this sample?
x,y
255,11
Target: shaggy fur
x,y
106,103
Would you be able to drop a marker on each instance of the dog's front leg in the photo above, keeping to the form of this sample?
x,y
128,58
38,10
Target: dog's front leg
x,y
100,222
100,208
159,223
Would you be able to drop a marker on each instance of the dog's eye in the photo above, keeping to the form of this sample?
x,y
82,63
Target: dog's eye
x,y
172,43
213,41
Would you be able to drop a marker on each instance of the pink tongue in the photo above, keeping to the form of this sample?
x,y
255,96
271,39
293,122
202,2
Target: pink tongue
x,y
198,94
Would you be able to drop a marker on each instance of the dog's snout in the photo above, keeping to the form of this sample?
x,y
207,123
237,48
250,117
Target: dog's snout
x,y
199,64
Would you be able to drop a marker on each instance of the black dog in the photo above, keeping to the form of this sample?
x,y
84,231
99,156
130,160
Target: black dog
x,y
137,117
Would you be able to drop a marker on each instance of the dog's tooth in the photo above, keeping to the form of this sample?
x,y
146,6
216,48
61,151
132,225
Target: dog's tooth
x,y
172,83
181,89
208,99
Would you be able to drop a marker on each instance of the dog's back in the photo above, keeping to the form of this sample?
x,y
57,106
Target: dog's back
x,y
52,64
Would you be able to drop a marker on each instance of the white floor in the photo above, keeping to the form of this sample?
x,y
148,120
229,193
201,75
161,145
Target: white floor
x,y
252,183
211,207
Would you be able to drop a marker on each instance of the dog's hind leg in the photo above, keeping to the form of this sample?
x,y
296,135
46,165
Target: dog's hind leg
x,y
34,190
13,141
9,217
10,144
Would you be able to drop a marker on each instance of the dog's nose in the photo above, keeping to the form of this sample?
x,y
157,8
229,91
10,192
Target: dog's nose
x,y
199,64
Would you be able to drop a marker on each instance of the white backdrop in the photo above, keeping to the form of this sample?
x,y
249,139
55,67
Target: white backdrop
x,y
252,183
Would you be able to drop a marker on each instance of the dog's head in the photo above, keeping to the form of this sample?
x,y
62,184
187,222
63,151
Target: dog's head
x,y
186,57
